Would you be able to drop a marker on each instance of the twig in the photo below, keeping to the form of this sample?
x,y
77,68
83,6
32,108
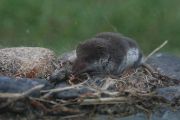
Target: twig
x,y
10,95
142,108
62,89
13,97
20,95
155,50
104,101
112,94
43,100
51,91
149,68
38,87
74,116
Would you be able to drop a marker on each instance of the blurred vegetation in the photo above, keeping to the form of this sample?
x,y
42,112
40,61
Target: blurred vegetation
x,y
61,24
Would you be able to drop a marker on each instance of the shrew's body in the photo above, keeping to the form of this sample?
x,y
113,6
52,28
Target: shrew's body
x,y
107,53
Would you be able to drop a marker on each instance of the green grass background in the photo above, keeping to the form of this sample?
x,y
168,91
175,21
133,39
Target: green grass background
x,y
61,24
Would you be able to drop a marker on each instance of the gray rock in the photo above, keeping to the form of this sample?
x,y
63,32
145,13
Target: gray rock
x,y
165,114
29,62
19,85
166,64
170,93
159,114
73,93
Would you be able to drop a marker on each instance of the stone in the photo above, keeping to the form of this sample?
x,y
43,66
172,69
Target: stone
x,y
29,62
170,93
73,93
19,85
166,64
159,114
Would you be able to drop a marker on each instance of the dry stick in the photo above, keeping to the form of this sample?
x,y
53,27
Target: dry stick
x,y
10,95
13,97
74,116
62,89
43,100
51,91
20,95
104,101
149,68
155,50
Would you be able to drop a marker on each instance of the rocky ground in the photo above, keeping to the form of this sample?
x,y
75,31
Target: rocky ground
x,y
50,92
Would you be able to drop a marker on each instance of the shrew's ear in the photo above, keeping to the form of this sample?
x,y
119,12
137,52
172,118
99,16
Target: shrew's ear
x,y
101,50
100,47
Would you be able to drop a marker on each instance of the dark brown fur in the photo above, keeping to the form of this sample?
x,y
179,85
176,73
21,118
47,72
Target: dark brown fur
x,y
107,49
